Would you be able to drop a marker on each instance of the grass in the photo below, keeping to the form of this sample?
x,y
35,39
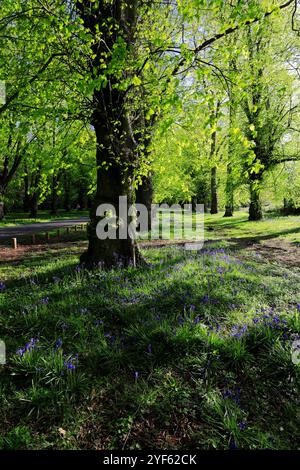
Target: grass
x,y
21,218
192,351
238,226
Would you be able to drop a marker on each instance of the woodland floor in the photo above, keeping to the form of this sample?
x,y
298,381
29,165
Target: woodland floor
x,y
192,351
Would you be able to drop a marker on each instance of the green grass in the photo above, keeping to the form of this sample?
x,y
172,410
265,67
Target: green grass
x,y
192,351
21,218
238,226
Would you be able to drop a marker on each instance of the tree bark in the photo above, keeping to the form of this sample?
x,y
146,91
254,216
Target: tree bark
x,y
34,199
67,198
112,182
1,210
213,191
54,200
255,209
144,195
26,198
229,193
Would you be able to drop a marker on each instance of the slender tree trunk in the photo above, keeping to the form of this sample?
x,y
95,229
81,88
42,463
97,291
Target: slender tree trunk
x,y
26,198
144,195
54,195
213,191
213,175
255,209
1,208
229,193
67,198
35,194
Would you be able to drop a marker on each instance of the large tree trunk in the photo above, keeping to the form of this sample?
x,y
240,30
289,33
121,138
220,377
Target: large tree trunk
x,y
112,182
144,195
229,193
255,209
116,145
213,190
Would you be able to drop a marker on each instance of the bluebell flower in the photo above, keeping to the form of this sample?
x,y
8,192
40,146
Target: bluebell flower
x,y
58,344
2,286
69,362
29,347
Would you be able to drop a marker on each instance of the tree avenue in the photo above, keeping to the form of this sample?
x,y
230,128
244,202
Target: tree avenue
x,y
121,69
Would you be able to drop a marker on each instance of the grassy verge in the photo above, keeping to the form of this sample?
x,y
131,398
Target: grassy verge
x,y
191,351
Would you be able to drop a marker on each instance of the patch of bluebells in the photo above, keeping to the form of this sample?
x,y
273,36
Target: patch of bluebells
x,y
28,348
232,394
58,344
242,425
71,362
2,286
45,300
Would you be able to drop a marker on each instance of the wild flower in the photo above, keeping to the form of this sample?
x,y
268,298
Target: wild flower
x,y
28,348
2,286
45,300
242,425
136,375
149,349
71,362
58,344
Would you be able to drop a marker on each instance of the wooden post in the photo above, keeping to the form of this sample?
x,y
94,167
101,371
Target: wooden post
x,y
58,233
68,230
75,228
33,238
14,243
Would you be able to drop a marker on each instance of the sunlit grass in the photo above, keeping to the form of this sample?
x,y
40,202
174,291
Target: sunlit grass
x,y
191,351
